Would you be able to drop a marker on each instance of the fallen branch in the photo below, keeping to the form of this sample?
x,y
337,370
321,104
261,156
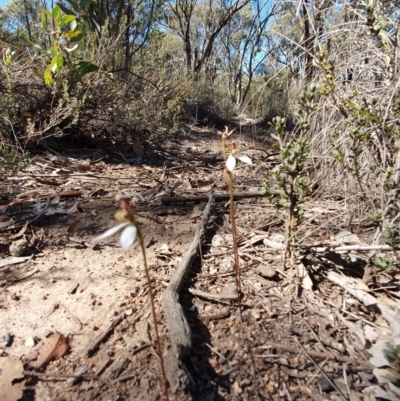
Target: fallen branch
x,y
214,297
60,376
166,200
181,339
344,248
390,314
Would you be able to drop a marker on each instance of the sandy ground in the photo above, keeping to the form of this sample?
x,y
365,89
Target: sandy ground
x,y
277,350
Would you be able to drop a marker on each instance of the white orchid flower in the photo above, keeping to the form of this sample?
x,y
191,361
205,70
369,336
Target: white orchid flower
x,y
71,49
231,160
127,238
129,226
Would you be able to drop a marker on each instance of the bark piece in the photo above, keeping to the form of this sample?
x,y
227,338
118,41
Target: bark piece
x,y
181,339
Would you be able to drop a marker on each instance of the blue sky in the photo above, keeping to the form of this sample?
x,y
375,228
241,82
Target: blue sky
x,y
2,2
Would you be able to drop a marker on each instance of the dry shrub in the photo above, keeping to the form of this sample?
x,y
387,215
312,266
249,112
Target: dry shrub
x,y
355,132
99,108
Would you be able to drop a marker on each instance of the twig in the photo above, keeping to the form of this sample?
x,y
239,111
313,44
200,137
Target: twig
x,y
119,369
101,338
166,200
321,370
72,315
216,351
214,297
103,367
344,248
314,354
78,376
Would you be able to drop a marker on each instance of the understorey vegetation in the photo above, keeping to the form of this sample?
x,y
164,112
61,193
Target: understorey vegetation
x,y
321,79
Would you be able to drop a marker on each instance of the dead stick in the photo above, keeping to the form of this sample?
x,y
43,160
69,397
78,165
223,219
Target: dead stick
x,y
315,354
166,200
347,248
101,338
62,376
72,315
214,297
178,326
333,384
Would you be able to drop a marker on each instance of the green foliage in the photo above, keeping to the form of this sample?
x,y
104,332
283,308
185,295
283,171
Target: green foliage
x,y
391,234
11,162
392,354
376,215
378,25
66,30
289,185
384,264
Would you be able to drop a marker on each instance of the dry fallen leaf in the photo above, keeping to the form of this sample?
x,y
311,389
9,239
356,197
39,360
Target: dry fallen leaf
x,y
83,167
54,349
360,284
73,226
21,232
11,370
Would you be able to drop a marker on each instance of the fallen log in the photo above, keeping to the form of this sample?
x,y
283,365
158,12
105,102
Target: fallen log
x,y
166,200
181,338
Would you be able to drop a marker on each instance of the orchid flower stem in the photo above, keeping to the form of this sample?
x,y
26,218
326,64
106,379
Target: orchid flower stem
x,y
224,149
234,233
153,312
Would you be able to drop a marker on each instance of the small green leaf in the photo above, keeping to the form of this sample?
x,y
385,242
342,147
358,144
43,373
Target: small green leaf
x,y
85,22
54,51
46,12
76,36
60,61
84,3
68,18
44,21
85,67
65,9
56,12
48,78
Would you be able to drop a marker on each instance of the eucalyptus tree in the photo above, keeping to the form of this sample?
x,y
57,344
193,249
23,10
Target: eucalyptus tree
x,y
20,21
121,27
246,43
199,23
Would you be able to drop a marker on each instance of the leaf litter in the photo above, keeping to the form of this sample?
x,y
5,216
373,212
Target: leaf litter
x,y
325,343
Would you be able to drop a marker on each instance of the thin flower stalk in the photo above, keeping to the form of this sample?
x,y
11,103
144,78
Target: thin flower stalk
x,y
225,135
234,233
230,164
131,231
